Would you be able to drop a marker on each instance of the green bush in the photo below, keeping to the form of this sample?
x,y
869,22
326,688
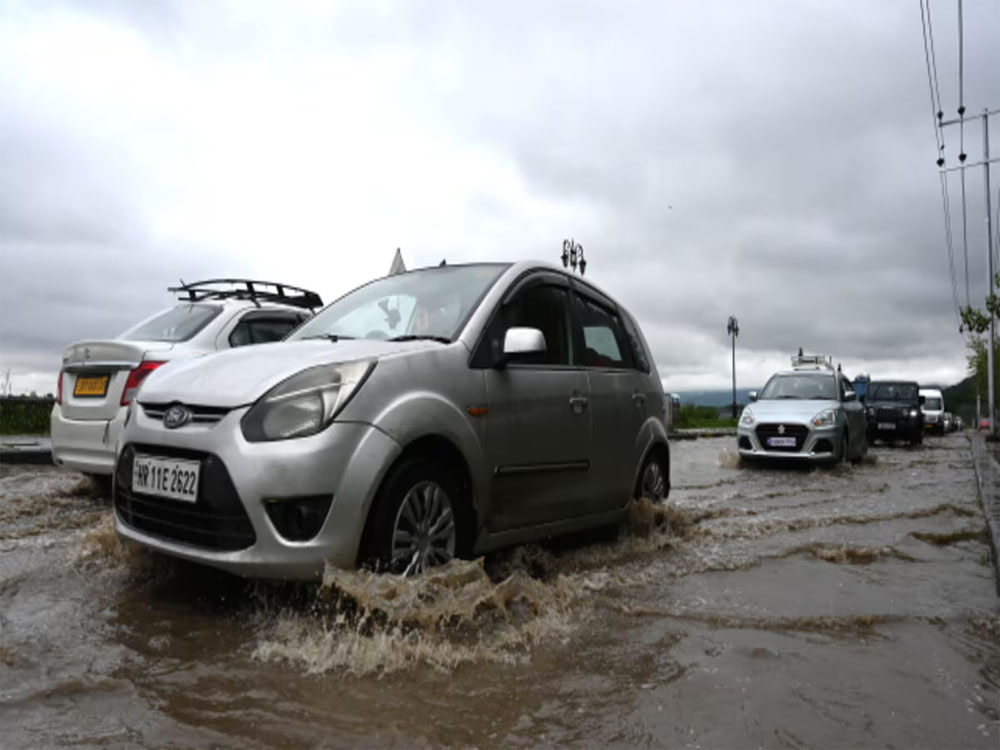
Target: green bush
x,y
25,415
693,416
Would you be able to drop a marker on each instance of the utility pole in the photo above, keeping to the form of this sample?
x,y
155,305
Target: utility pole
x,y
985,163
989,253
733,329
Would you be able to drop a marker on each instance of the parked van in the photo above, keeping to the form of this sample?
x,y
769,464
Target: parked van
x,y
933,408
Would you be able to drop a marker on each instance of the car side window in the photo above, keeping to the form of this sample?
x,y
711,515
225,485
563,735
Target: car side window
x,y
546,308
261,330
603,337
844,388
241,334
635,342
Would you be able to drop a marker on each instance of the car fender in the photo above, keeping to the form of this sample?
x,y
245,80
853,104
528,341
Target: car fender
x,y
650,434
423,414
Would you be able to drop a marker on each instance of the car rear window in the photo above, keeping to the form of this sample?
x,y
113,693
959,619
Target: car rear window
x,y
177,324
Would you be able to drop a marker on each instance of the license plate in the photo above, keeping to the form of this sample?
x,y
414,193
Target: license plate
x,y
781,442
886,426
166,477
96,385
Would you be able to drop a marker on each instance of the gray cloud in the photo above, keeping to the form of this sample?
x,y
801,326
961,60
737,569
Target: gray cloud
x,y
769,160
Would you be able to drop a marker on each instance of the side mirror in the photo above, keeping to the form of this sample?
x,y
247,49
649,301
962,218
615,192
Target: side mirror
x,y
850,396
922,399
520,341
752,395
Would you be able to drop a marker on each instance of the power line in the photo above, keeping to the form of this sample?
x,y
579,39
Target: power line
x,y
951,256
936,113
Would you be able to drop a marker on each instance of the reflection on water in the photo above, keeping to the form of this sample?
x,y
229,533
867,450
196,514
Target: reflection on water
x,y
758,606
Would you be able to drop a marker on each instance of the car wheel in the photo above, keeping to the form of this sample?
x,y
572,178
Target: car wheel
x,y
844,447
653,480
414,526
864,449
917,439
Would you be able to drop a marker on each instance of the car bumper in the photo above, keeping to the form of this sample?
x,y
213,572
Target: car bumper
x,y
86,445
820,444
886,428
346,461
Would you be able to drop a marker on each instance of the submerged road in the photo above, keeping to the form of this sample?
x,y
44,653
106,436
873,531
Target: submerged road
x,y
847,607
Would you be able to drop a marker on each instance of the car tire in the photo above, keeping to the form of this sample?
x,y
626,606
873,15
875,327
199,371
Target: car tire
x,y
653,479
864,450
845,448
917,438
416,522
101,484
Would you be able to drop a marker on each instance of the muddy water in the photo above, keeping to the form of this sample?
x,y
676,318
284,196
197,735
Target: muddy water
x,y
852,607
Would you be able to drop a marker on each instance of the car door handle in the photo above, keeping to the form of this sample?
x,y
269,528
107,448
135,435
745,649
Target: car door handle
x,y
578,403
639,398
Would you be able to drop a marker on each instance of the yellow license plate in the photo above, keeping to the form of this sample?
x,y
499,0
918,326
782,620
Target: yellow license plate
x,y
92,386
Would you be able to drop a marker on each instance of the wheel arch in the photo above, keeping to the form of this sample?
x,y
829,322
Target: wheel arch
x,y
659,448
439,451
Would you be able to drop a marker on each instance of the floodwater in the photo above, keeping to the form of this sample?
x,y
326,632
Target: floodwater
x,y
847,607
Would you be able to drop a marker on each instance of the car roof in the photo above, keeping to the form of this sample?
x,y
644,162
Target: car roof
x,y
241,304
810,372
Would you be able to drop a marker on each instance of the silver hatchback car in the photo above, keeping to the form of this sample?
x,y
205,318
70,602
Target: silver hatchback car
x,y
809,413
438,413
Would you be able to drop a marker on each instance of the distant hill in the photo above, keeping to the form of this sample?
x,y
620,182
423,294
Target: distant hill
x,y
714,398
960,399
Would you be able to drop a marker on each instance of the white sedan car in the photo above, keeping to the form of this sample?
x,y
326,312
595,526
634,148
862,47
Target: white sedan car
x,y
98,379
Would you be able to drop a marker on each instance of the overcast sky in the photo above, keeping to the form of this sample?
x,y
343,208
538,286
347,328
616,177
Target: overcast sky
x,y
769,160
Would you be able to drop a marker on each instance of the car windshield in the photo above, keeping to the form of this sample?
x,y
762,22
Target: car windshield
x,y
795,386
932,404
177,324
892,392
431,303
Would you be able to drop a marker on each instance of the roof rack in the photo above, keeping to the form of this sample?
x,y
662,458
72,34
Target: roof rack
x,y
255,291
802,361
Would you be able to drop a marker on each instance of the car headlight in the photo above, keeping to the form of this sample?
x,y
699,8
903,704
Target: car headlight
x,y
747,416
871,411
825,418
305,403
913,412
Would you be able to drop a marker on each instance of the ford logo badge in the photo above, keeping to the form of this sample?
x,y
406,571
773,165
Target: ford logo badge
x,y
176,416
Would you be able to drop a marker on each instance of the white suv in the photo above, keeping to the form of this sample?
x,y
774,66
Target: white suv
x,y
98,379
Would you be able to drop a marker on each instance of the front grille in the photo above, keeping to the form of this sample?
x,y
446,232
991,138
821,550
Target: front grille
x,y
199,414
797,431
888,413
216,521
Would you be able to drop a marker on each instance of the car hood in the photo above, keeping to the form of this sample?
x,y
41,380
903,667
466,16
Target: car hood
x,y
240,376
792,410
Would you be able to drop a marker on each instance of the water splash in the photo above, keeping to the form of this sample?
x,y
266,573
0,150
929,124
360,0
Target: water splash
x,y
380,624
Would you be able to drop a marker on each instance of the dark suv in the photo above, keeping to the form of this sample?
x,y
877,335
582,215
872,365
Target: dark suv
x,y
893,411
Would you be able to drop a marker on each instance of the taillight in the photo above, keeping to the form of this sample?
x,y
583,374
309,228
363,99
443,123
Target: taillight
x,y
135,378
59,389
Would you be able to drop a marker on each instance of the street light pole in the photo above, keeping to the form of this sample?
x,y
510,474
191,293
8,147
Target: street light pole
x,y
733,329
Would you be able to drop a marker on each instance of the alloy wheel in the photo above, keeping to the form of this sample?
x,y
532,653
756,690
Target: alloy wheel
x,y
423,534
653,482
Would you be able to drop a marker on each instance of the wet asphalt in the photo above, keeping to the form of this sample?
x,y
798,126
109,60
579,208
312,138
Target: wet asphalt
x,y
767,607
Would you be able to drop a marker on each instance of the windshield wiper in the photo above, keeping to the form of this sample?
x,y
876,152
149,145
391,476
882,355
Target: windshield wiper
x,y
334,337
417,337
